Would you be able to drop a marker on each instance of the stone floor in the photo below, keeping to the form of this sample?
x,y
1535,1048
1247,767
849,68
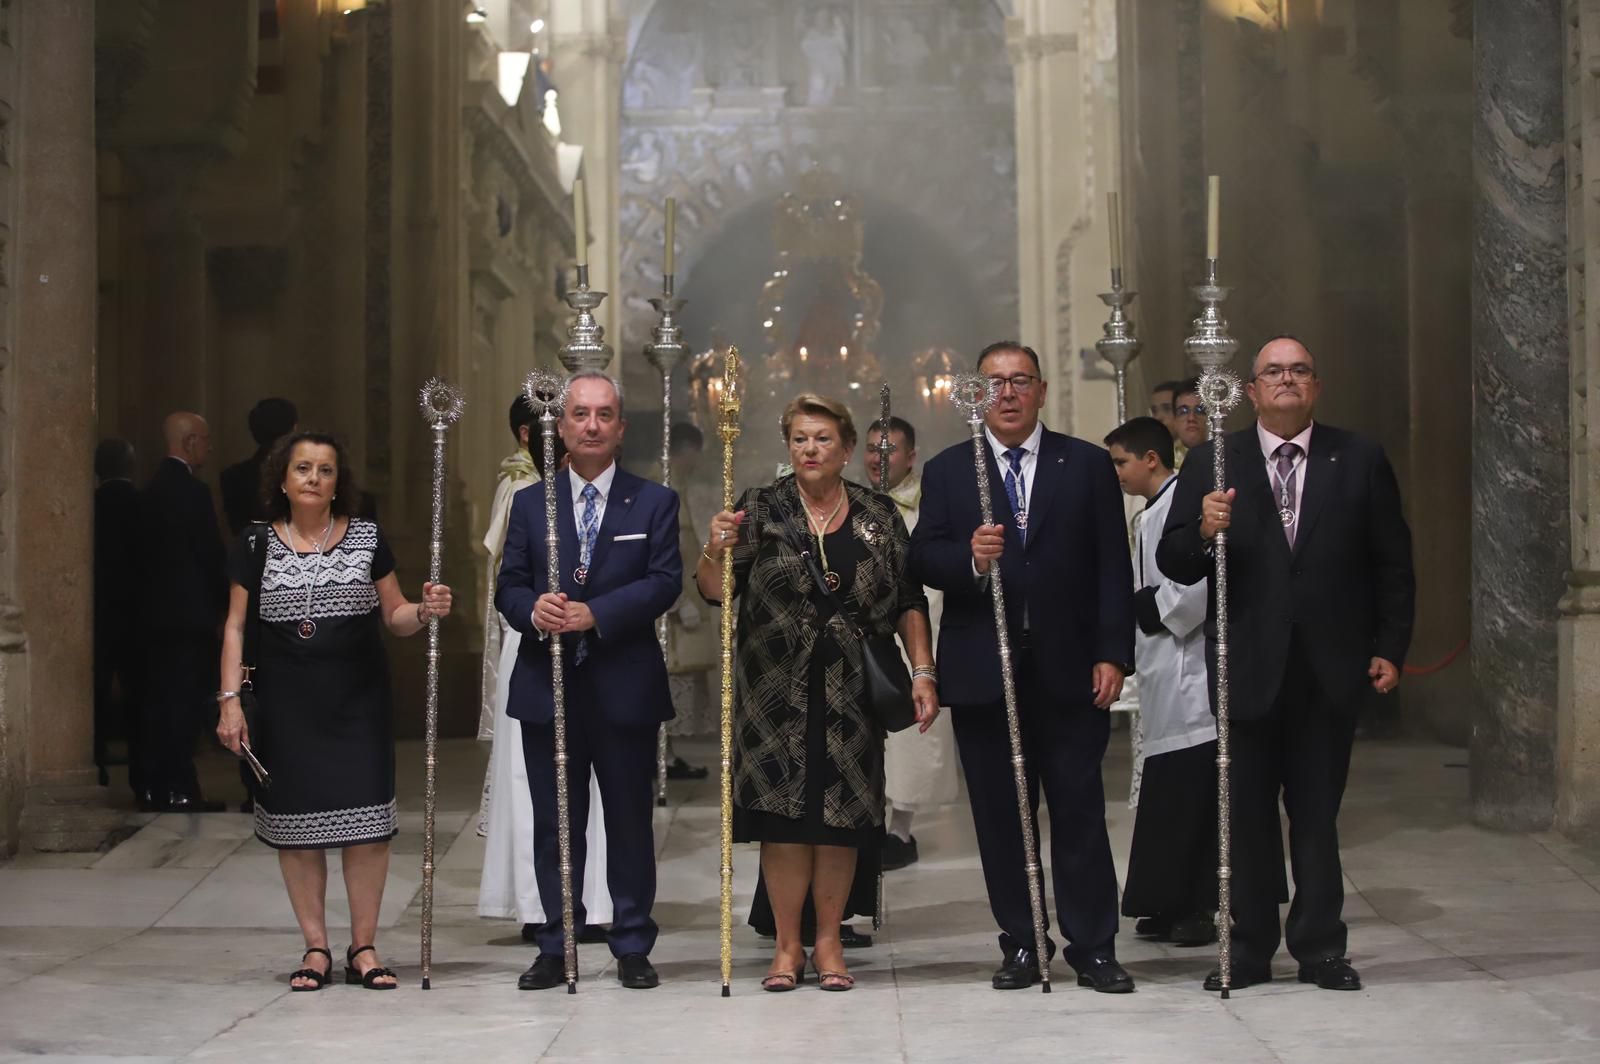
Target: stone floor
x,y
175,944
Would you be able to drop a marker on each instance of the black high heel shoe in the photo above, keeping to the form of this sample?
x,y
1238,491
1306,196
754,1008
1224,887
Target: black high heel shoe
x,y
370,979
318,979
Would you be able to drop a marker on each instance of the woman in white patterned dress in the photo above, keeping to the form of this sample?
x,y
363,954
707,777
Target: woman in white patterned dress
x,y
325,586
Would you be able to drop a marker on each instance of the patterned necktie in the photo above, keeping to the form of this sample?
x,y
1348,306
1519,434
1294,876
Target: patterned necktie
x,y
1283,481
588,532
1016,490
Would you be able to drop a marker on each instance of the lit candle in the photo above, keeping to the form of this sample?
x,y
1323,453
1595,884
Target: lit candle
x,y
580,222
1114,220
1213,198
672,227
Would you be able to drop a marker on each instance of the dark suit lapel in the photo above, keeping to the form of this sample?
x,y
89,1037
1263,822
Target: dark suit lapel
x,y
566,534
1320,468
1247,470
1047,475
624,490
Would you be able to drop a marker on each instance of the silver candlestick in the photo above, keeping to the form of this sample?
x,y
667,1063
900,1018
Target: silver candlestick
x,y
585,347
1212,348
665,351
441,407
547,395
1119,346
973,394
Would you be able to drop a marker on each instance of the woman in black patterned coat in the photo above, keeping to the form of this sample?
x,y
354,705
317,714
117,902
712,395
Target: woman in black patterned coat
x,y
808,755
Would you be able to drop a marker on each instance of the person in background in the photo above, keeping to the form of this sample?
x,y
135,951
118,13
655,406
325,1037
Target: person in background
x,y
182,554
919,770
1172,869
270,420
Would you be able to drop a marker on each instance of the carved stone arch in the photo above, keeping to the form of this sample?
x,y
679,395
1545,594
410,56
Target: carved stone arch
x,y
940,143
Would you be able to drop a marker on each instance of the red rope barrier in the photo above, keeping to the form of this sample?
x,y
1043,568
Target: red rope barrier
x,y
1441,664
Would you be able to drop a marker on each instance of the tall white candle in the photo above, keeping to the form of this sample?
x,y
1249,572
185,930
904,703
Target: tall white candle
x,y
580,222
672,226
1213,210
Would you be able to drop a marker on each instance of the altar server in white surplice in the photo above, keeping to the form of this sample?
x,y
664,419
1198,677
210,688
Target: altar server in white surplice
x,y
1172,868
507,890
919,769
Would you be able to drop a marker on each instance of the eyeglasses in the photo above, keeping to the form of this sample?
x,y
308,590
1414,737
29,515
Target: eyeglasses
x,y
1198,410
1299,371
1021,383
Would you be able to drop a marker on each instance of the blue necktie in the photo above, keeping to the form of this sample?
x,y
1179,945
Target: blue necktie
x,y
588,532
1016,490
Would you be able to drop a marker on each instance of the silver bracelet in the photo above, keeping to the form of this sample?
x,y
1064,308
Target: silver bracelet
x,y
223,696
925,670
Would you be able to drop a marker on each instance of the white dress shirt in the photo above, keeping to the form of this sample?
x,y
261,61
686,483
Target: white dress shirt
x,y
1030,462
602,484
1270,443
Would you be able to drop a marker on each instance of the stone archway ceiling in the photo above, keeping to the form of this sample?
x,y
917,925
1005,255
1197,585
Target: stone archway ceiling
x,y
728,103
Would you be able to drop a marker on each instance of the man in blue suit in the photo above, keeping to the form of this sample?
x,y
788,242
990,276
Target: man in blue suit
x,y
620,570
1062,554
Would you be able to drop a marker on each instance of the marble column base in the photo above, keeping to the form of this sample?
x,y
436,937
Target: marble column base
x,y
68,817
1578,708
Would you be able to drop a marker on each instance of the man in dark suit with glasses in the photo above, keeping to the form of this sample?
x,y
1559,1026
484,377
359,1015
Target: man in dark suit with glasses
x,y
1321,599
1061,550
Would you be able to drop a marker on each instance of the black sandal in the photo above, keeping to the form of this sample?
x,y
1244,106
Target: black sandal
x,y
370,979
318,979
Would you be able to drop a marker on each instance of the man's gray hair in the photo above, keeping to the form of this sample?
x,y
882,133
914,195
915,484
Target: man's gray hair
x,y
599,375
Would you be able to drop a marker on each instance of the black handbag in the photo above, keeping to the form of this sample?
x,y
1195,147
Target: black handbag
x,y
883,670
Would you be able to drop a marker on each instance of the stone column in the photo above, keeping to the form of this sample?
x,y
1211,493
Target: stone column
x,y
54,419
1577,779
1520,531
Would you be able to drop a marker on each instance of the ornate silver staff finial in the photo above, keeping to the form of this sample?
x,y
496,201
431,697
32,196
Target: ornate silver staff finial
x,y
441,406
973,394
546,393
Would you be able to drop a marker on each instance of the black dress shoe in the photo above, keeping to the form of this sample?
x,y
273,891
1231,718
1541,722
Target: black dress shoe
x,y
1020,971
593,935
635,972
1241,976
849,938
1104,975
185,803
530,933
897,852
1194,931
545,972
1333,973
1156,927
